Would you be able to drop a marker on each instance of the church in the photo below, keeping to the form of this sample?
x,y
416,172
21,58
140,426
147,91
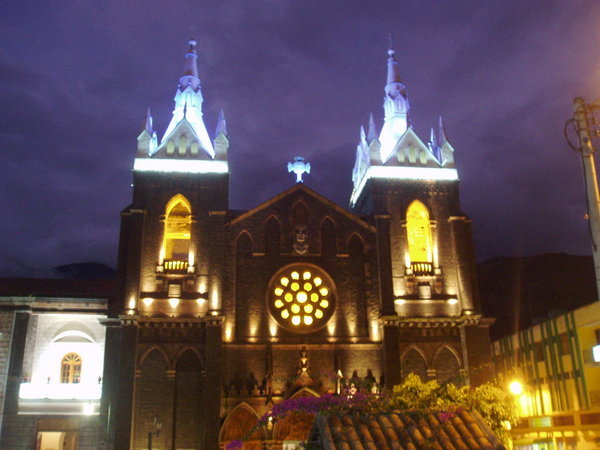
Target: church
x,y
219,314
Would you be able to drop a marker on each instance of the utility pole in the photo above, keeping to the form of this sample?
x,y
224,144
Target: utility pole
x,y
586,127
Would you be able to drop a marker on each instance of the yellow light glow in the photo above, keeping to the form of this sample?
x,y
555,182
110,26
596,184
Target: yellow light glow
x,y
173,302
452,301
291,297
148,301
228,332
132,303
418,229
515,387
273,328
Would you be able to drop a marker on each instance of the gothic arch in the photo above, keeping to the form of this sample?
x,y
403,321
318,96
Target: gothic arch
x,y
176,199
295,427
155,347
177,229
447,363
300,213
356,245
238,423
188,399
304,392
188,348
419,236
413,360
272,236
328,237
151,378
244,243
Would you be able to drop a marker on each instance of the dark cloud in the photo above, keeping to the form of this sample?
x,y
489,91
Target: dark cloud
x,y
294,78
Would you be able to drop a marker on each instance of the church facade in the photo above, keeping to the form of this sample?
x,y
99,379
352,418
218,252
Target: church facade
x,y
218,314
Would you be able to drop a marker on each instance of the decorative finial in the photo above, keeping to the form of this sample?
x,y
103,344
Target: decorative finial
x,y
192,43
299,167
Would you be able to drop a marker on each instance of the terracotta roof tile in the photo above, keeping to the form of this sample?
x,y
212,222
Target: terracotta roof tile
x,y
404,430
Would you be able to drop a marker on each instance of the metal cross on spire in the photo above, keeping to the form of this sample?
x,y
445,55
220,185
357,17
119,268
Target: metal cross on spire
x,y
299,167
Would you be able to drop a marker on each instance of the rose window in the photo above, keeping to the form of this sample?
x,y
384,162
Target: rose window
x,y
301,298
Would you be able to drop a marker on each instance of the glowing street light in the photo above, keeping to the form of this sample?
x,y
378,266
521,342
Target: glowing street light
x,y
515,387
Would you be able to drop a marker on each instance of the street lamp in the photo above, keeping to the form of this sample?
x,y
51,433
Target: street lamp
x,y
515,387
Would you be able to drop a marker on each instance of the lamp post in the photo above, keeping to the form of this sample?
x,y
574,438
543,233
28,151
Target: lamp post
x,y
156,430
587,128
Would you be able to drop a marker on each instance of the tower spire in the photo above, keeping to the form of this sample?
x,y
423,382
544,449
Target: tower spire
x,y
190,70
188,104
396,107
393,73
148,126
372,133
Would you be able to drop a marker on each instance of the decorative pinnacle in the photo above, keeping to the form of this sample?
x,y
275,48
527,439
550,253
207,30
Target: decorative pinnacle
x,y
192,43
299,167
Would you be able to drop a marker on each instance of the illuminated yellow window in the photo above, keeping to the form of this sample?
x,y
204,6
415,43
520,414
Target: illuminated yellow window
x,y
418,230
304,305
178,226
70,368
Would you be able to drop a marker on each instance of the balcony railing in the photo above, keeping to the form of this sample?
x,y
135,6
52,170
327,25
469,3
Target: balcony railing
x,y
57,391
421,268
175,266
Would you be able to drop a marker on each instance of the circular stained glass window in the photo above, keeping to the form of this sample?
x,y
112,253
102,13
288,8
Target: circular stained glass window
x,y
301,298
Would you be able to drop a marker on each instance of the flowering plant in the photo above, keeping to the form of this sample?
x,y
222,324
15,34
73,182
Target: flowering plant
x,y
414,397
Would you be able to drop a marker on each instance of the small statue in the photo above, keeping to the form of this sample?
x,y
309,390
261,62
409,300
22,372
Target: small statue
x,y
300,240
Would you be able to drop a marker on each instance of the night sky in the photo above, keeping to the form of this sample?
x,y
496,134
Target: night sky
x,y
293,78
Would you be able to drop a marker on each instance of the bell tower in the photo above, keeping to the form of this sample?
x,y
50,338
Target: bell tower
x,y
428,285
167,320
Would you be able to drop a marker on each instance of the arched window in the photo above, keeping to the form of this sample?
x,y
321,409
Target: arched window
x,y
328,238
70,368
272,237
418,229
178,226
413,362
446,365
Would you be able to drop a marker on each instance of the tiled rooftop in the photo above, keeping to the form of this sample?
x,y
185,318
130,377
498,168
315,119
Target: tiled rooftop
x,y
402,430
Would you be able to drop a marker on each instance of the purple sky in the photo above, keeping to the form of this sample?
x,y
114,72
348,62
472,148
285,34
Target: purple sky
x,y
294,78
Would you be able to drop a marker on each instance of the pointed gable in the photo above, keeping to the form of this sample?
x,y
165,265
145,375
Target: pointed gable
x,y
282,203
